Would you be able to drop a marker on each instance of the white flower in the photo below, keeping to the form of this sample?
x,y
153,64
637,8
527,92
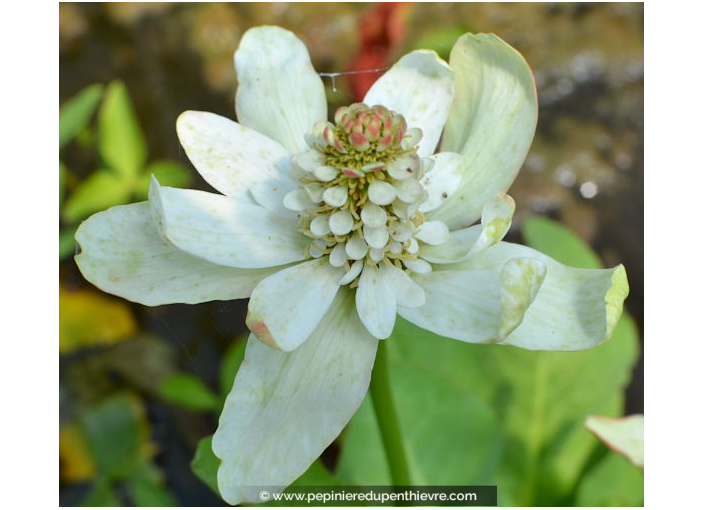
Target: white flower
x,y
332,228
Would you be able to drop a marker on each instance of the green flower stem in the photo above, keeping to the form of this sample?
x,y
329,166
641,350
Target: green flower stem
x,y
387,419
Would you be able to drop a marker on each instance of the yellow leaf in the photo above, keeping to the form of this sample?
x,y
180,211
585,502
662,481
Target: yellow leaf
x,y
88,319
75,463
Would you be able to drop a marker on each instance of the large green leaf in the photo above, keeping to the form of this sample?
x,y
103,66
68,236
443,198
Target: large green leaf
x,y
75,113
557,241
147,487
120,138
451,437
205,464
186,390
612,482
101,494
231,362
102,189
116,433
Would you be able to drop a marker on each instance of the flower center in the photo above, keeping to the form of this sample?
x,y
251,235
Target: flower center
x,y
360,190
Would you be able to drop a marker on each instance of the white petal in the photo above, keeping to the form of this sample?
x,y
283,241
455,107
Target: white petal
x,y
341,222
326,173
405,210
376,304
401,230
122,253
224,230
418,266
315,191
376,254
622,435
409,191
376,237
412,245
496,220
491,123
356,247
407,292
381,193
404,167
432,232
455,249
271,197
353,273
286,408
462,305
231,157
298,200
287,306
308,161
338,255
373,215
442,181
279,93
320,225
574,308
336,196
420,86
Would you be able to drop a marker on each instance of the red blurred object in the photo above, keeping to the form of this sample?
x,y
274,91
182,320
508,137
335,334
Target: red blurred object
x,y
380,30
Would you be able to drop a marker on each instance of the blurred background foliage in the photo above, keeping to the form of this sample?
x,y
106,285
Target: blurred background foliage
x,y
141,388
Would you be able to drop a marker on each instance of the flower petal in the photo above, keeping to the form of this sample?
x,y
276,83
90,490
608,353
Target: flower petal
x,y
432,232
477,306
376,304
464,305
419,87
463,243
491,123
122,253
271,197
285,408
224,230
574,308
405,290
622,435
231,157
442,181
287,306
455,249
496,220
279,93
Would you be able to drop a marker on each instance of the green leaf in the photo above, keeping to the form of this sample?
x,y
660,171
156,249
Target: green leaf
x,y
120,139
147,488
101,190
612,482
205,464
556,240
440,40
167,172
102,494
116,433
67,242
451,437
231,364
188,391
76,112
62,182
